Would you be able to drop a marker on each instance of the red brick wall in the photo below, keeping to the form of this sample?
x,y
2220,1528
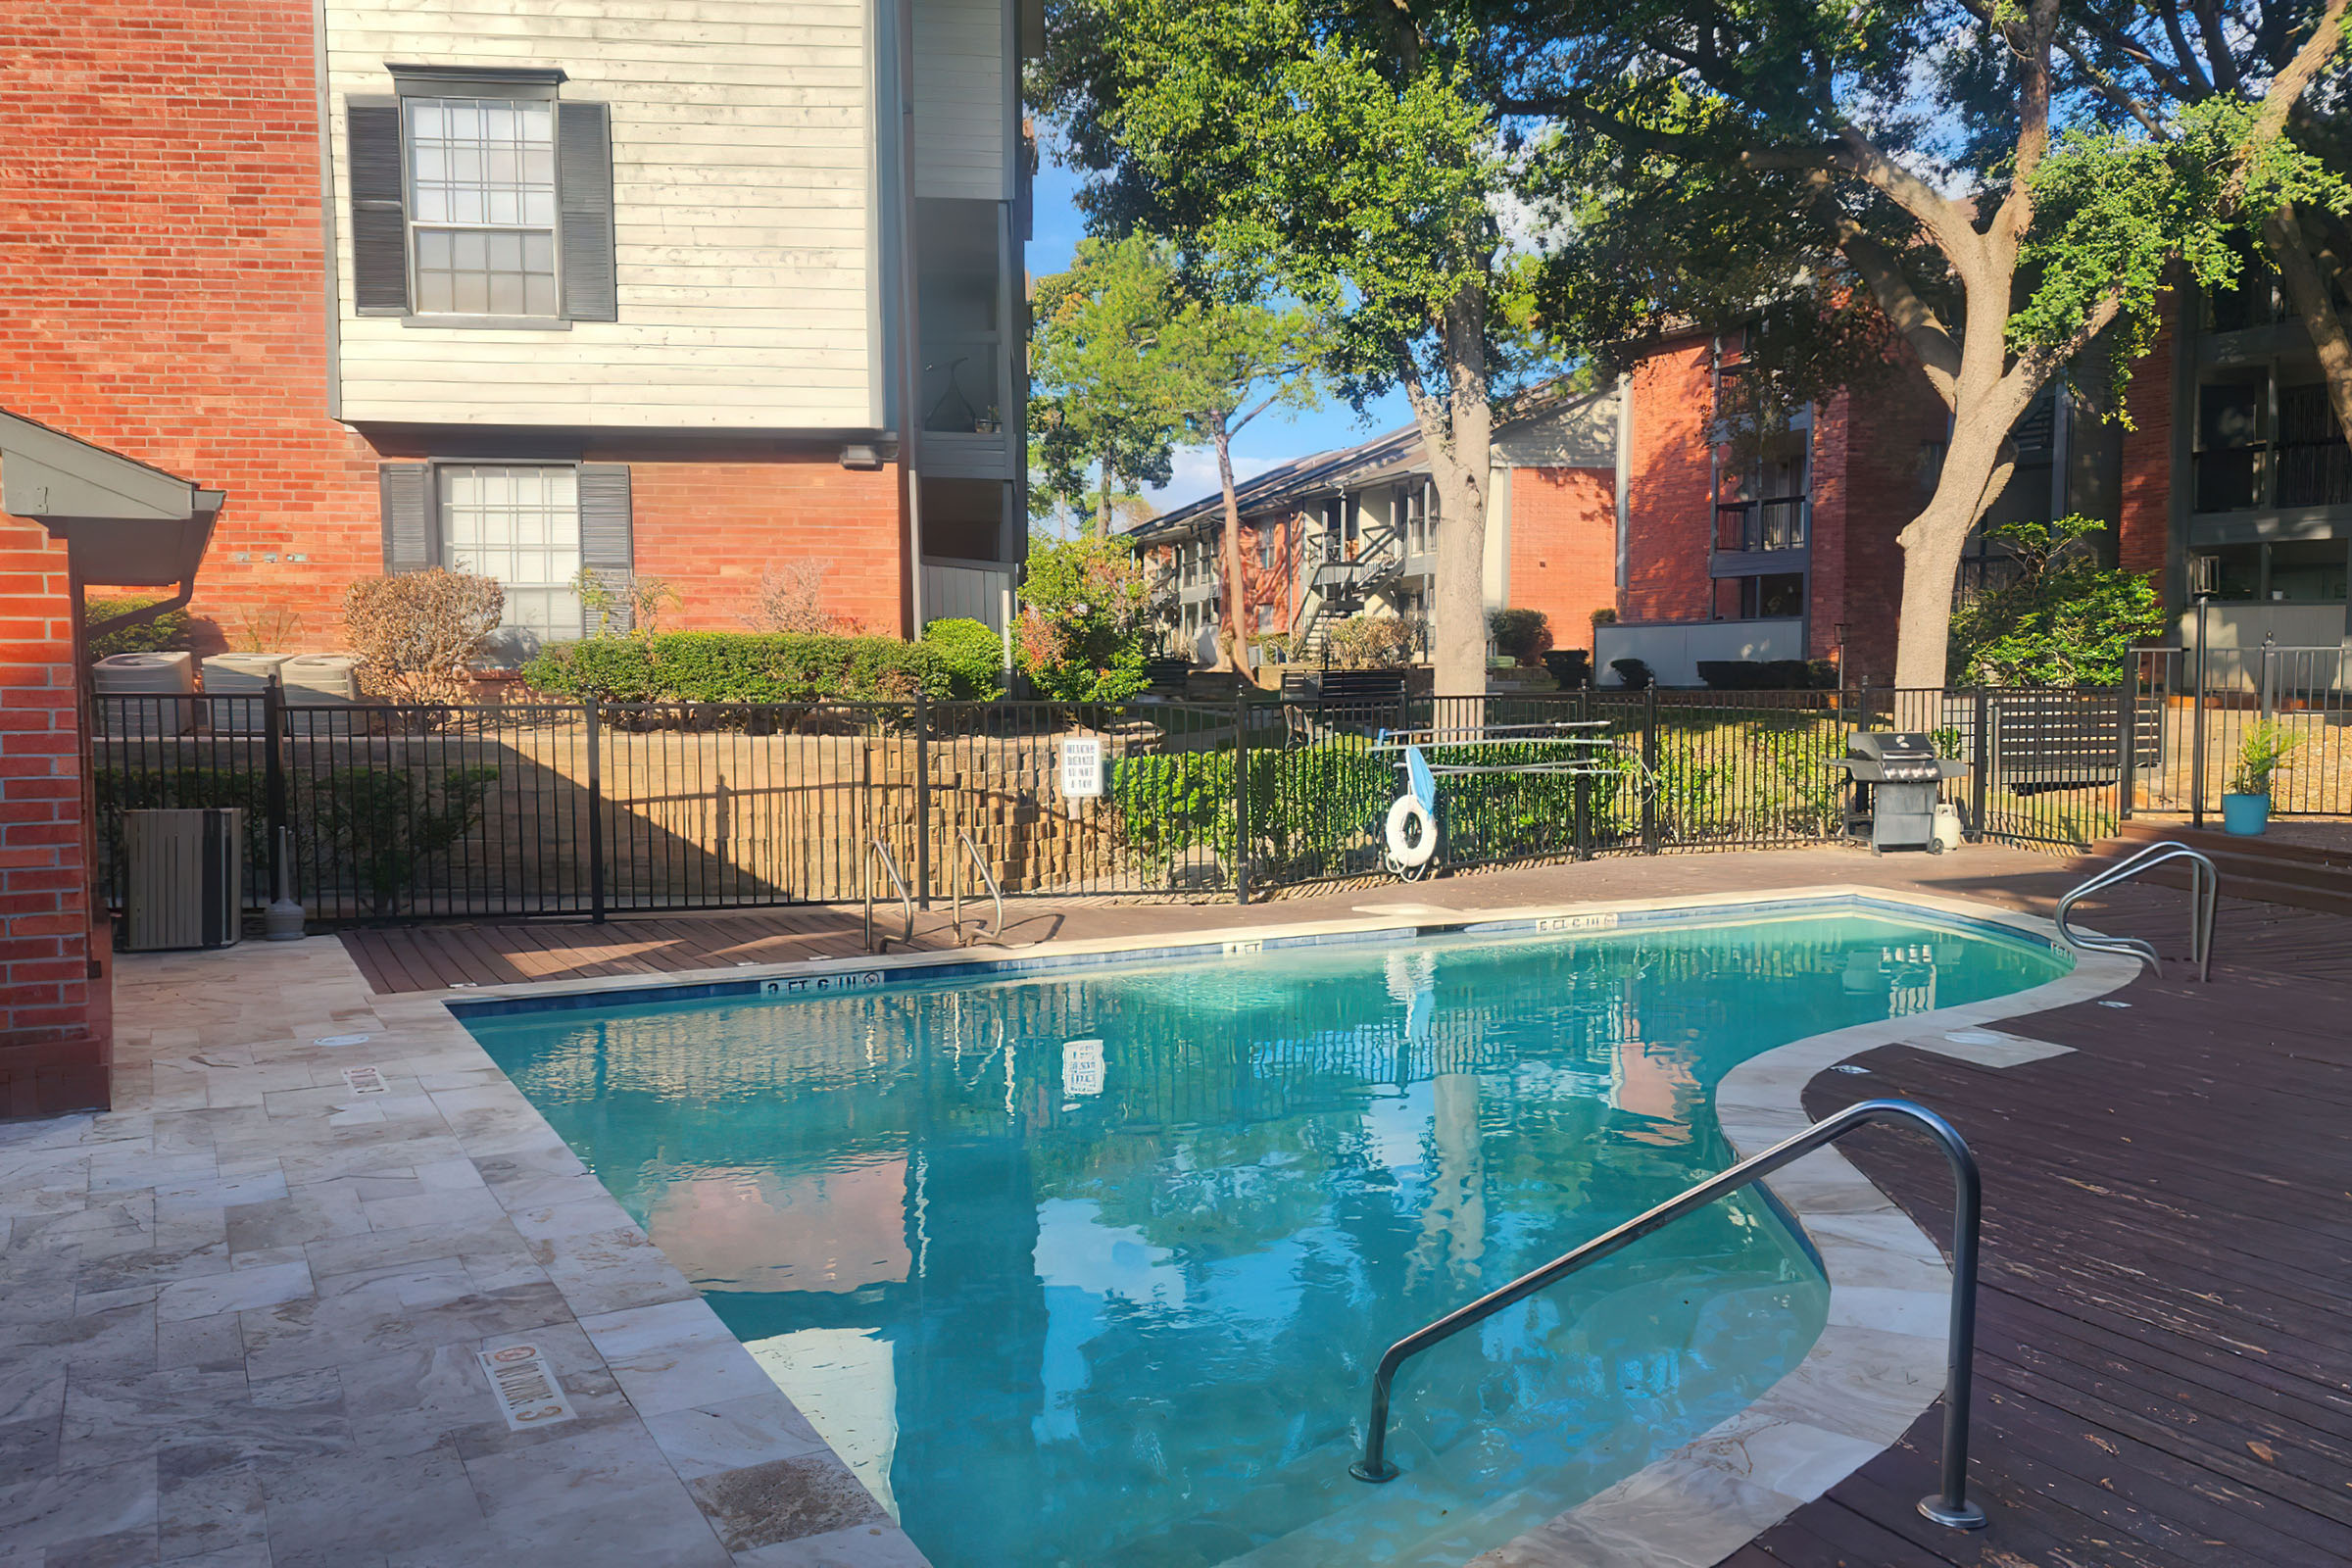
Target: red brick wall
x,y
2145,512
1867,487
160,284
48,1058
710,529
1564,546
1670,511
162,293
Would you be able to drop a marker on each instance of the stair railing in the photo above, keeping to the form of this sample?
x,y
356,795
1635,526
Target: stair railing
x,y
876,847
2204,904
987,880
1950,1507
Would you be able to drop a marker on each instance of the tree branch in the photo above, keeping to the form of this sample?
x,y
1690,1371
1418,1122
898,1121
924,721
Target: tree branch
x,y
2183,54
2113,90
2217,47
1854,154
2286,88
1911,316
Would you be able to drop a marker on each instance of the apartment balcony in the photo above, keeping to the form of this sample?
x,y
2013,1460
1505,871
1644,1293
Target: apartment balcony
x,y
1754,538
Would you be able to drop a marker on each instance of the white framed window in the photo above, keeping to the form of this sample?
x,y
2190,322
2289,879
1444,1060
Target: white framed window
x,y
482,212
520,524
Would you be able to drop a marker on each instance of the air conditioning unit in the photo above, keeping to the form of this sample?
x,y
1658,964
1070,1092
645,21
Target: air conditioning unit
x,y
238,686
316,682
145,694
183,880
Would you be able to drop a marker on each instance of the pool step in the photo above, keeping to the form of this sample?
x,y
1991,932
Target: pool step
x,y
2305,875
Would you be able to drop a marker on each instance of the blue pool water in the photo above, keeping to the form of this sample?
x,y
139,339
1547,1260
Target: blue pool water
x,y
1091,1268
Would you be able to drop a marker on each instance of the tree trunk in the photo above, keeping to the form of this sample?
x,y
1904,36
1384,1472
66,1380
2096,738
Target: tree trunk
x,y
1102,503
1975,471
2315,303
1233,645
1458,431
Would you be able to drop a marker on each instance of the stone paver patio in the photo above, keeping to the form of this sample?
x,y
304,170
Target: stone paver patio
x,y
241,1316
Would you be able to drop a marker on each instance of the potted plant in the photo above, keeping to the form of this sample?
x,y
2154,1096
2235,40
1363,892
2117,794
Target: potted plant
x,y
2246,805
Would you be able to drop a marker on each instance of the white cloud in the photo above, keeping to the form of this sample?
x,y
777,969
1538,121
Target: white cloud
x,y
1193,474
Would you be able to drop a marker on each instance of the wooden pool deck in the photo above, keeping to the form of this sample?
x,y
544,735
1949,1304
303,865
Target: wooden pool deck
x,y
2164,1354
2164,1372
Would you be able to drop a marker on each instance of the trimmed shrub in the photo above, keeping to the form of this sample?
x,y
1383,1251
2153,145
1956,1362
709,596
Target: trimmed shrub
x,y
1522,636
165,632
420,634
1633,672
728,666
1572,668
1372,642
972,656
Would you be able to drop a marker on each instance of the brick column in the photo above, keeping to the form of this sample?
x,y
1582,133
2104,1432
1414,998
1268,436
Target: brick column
x,y
54,1050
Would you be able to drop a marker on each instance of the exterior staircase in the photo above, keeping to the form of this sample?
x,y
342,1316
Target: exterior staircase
x,y
2308,874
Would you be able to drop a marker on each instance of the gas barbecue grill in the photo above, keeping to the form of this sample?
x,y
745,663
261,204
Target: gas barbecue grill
x,y
1896,777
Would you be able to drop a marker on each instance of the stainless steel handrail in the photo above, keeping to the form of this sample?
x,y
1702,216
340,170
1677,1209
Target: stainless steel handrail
x,y
890,863
1951,1506
987,881
2204,904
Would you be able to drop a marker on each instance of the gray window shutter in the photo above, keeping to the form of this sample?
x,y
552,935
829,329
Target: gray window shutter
x,y
608,543
585,191
379,231
404,491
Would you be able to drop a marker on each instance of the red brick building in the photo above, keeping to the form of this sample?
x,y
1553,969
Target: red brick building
x,y
401,284
1634,504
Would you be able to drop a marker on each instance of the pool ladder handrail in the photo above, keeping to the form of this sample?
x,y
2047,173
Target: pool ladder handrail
x,y
2204,904
1951,1506
875,847
987,880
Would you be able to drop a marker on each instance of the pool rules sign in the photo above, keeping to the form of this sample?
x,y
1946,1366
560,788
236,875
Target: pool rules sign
x,y
1081,769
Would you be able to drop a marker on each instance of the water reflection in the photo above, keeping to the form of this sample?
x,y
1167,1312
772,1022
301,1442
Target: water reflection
x,y
1091,1268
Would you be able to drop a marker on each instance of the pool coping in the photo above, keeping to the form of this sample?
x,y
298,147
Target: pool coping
x,y
1879,1359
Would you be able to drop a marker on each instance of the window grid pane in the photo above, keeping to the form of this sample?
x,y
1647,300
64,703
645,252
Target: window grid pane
x,y
483,174
521,525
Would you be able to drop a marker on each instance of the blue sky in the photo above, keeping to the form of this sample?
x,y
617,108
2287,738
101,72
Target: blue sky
x,y
1269,439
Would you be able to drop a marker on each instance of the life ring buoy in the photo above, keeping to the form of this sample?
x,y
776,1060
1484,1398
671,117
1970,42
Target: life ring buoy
x,y
1412,852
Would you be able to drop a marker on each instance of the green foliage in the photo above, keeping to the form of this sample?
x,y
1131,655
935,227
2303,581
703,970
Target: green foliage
x,y
165,632
1523,636
1310,806
382,826
970,655
1085,631
1097,401
2065,620
2262,750
726,667
2114,208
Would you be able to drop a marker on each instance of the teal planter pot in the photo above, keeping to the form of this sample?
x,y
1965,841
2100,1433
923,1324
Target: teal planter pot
x,y
2245,815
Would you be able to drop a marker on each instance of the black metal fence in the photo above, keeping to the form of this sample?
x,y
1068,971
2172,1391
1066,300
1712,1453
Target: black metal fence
x,y
565,809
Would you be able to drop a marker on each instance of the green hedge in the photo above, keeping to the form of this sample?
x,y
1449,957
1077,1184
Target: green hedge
x,y
164,633
1322,810
972,656
728,666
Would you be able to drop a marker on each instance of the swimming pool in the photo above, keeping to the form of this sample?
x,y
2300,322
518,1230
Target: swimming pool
x,y
1092,1265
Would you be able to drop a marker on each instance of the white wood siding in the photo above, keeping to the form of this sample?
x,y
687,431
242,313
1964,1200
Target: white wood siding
x,y
741,135
960,105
